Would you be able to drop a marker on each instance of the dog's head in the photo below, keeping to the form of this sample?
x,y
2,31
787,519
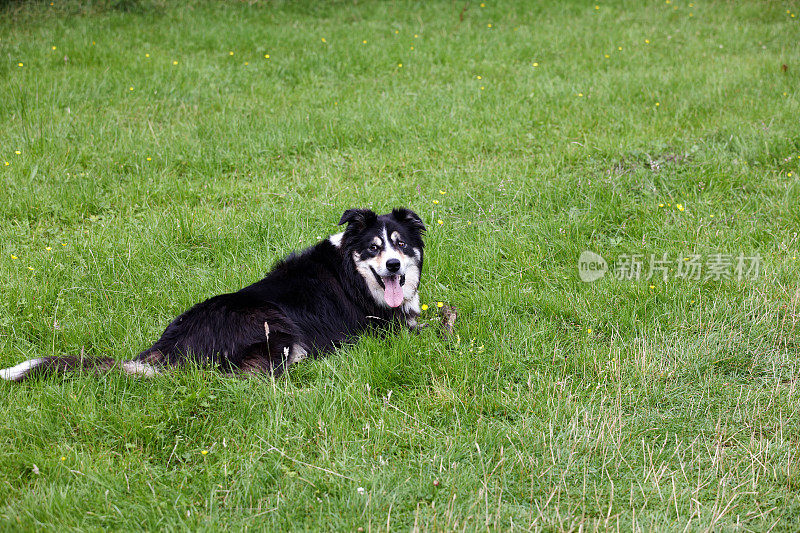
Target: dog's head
x,y
387,251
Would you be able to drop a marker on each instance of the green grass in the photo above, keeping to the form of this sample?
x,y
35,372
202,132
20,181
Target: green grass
x,y
561,405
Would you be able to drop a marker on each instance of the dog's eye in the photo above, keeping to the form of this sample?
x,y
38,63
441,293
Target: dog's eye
x,y
373,247
401,244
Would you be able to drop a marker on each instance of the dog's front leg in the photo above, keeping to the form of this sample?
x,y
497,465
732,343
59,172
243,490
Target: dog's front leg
x,y
411,312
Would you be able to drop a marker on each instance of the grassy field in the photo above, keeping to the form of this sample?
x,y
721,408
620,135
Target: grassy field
x,y
153,154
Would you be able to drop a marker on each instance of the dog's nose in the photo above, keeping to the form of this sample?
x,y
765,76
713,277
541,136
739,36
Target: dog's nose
x,y
393,265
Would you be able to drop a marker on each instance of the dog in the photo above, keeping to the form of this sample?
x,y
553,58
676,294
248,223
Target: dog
x,y
309,304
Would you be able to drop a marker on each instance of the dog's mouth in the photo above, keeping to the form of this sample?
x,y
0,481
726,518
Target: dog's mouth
x,y
392,288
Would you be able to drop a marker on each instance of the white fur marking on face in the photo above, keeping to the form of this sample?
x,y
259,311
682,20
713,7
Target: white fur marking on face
x,y
391,253
408,268
137,368
372,284
18,372
336,240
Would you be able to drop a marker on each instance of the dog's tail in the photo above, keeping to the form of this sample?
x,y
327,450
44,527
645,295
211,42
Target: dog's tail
x,y
45,366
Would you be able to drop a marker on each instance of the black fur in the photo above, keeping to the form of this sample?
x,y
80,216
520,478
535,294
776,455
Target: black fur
x,y
313,299
311,302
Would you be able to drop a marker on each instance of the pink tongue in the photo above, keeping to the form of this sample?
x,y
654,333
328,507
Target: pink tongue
x,y
392,292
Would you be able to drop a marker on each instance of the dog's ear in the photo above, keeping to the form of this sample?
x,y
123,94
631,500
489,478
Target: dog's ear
x,y
358,218
407,216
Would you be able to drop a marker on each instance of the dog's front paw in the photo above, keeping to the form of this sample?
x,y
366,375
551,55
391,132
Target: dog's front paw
x,y
416,327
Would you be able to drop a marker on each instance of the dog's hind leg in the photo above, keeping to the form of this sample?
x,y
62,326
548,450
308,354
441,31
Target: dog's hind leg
x,y
272,358
257,361
139,369
295,354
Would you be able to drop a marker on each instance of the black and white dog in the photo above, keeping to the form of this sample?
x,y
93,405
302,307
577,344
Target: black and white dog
x,y
310,303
